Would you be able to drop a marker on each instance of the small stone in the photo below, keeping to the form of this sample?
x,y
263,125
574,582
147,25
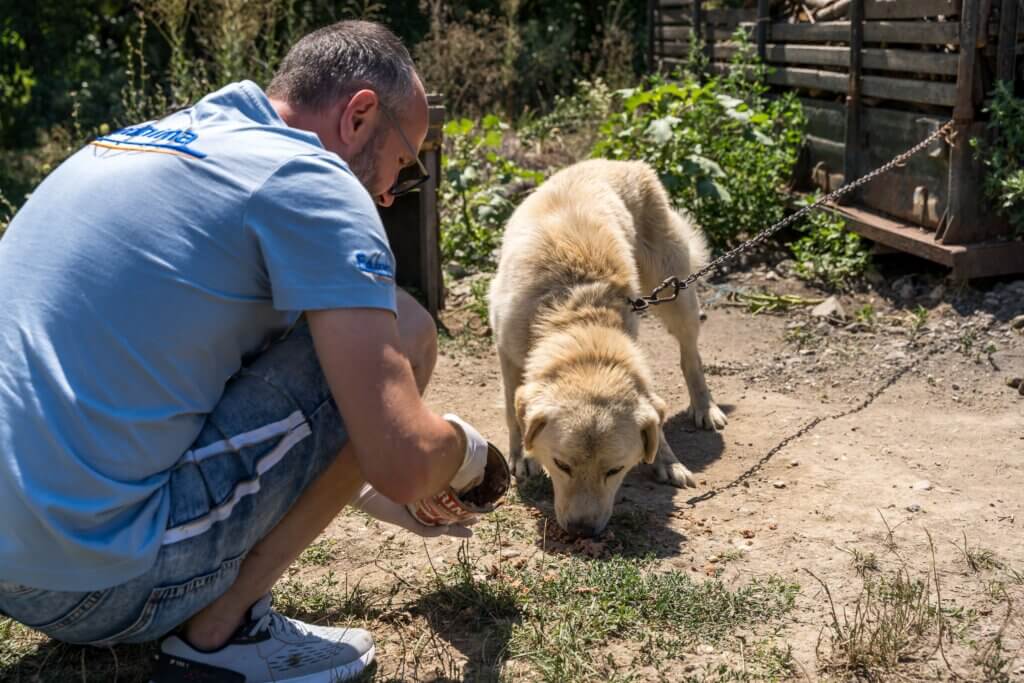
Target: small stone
x,y
747,533
922,485
907,292
509,553
779,484
1015,382
956,387
937,293
794,463
914,508
1017,323
705,649
829,308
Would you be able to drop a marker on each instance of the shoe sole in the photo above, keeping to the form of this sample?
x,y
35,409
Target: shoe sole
x,y
337,674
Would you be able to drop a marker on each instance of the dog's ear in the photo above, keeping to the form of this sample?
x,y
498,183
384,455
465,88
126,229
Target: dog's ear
x,y
650,427
530,425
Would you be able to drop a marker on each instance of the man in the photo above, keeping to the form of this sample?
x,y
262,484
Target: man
x,y
170,439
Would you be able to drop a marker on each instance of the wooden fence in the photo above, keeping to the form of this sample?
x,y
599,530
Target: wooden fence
x,y
873,84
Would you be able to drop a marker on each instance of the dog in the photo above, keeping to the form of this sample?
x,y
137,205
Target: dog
x,y
579,400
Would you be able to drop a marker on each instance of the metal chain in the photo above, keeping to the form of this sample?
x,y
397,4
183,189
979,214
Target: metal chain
x,y
643,303
936,347
875,393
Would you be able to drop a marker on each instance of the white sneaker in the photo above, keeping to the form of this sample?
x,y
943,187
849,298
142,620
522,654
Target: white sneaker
x,y
267,648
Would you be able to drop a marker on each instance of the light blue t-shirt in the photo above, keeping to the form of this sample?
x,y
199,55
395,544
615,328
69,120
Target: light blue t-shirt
x,y
132,283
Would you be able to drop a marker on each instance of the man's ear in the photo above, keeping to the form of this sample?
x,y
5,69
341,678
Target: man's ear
x,y
530,422
359,118
650,427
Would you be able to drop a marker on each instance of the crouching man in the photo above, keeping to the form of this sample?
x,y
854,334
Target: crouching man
x,y
172,433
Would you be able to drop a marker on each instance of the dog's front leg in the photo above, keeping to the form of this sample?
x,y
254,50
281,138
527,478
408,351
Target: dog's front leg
x,y
667,469
511,377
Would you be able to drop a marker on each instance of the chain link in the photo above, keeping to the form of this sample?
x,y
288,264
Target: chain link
x,y
643,303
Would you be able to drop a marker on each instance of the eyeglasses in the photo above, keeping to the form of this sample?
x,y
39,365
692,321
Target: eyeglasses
x,y
408,184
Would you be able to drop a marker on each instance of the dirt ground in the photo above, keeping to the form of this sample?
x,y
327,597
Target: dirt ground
x,y
898,527
926,480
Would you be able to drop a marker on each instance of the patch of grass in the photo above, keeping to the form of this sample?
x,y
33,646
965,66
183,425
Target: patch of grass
x,y
27,655
560,618
978,559
325,598
582,604
918,319
893,619
863,562
320,554
803,336
866,314
478,302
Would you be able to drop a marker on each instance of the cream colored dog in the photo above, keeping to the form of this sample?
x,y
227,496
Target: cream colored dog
x,y
578,395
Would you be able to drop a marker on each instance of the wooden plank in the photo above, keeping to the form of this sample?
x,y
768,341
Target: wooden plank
x,y
981,259
669,4
907,90
910,9
811,79
854,140
912,61
903,236
729,17
961,224
676,49
913,32
1006,62
673,16
709,33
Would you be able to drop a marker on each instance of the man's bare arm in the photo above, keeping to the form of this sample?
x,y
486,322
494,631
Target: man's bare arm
x,y
405,451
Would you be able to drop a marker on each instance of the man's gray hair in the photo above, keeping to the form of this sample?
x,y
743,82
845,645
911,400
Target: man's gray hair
x,y
332,63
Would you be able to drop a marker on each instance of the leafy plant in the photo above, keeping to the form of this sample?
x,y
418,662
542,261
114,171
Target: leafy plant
x,y
827,253
1003,155
723,149
480,191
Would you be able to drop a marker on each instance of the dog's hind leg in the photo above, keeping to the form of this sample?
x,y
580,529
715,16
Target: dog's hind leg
x,y
682,318
512,377
672,250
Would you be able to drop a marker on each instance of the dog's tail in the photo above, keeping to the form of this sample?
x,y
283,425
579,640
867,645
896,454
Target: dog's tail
x,y
700,253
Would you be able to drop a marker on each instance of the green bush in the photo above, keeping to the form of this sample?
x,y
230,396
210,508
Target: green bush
x,y
480,190
827,254
723,149
1003,155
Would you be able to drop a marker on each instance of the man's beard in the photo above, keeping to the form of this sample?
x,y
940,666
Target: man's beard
x,y
364,163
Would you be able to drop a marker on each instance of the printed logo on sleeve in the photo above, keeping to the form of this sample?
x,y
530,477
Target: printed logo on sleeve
x,y
378,264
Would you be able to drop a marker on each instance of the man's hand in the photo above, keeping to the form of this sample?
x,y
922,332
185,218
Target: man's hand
x,y
380,507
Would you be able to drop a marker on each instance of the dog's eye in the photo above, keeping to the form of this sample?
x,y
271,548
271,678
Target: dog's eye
x,y
562,466
612,472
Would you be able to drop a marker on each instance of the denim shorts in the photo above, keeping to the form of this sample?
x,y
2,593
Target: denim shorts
x,y
275,429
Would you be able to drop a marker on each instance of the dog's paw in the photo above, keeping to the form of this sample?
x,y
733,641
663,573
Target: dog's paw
x,y
710,418
674,474
524,467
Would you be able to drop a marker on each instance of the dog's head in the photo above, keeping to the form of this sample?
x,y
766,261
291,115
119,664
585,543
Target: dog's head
x,y
587,445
